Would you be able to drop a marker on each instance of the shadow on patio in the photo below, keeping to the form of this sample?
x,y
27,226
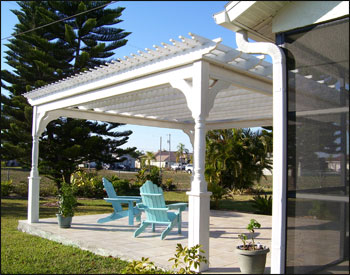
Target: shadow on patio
x,y
116,238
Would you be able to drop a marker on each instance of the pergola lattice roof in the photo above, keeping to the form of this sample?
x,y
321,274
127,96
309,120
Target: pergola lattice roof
x,y
105,91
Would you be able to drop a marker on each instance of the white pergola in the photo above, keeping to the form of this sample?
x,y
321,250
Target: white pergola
x,y
193,84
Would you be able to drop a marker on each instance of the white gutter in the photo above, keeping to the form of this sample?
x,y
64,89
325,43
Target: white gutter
x,y
278,236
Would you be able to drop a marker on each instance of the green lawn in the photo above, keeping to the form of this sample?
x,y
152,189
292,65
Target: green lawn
x,y
22,253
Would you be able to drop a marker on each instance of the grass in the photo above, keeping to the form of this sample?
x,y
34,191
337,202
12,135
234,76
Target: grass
x,y
26,254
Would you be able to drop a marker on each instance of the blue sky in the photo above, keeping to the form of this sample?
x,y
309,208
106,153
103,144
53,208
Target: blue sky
x,y
150,23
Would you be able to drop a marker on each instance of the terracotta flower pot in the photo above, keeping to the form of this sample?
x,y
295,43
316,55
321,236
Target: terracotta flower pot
x,y
252,261
64,222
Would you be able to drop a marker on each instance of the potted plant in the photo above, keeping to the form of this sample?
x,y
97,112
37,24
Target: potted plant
x,y
66,205
251,256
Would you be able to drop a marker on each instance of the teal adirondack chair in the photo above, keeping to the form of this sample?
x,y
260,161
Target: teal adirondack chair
x,y
157,212
116,203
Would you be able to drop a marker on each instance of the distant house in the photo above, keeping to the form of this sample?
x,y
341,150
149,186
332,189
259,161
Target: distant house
x,y
129,161
127,164
12,163
334,164
164,159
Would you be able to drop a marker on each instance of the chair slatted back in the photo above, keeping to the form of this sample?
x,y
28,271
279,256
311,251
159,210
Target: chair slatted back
x,y
153,197
108,186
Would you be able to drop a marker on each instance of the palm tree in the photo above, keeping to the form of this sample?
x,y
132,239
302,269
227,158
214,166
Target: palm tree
x,y
148,157
235,158
181,151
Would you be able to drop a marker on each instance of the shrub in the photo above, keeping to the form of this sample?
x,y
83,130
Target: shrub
x,y
236,158
6,188
21,189
188,258
66,200
263,204
168,185
145,266
185,259
123,187
153,175
48,190
141,176
88,185
253,224
321,210
218,193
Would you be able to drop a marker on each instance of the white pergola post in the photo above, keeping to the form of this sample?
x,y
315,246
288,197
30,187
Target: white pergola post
x,y
40,120
34,179
199,197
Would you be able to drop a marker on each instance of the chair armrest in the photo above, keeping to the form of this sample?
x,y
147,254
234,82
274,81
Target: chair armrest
x,y
130,197
158,209
141,206
122,199
180,206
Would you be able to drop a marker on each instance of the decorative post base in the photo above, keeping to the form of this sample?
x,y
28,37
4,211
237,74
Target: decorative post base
x,y
198,223
33,199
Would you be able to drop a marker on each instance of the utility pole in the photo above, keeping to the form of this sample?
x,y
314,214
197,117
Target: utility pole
x,y
169,150
160,160
160,153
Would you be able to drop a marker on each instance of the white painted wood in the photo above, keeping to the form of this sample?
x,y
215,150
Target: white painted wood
x,y
199,197
243,123
34,179
297,14
118,118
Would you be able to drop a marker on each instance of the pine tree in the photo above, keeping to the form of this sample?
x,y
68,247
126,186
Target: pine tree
x,y
88,34
46,55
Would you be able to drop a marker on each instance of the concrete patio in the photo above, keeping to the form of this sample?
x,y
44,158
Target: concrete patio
x,y
116,238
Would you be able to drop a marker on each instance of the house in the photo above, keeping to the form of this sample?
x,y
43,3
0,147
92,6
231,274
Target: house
x,y
334,164
162,159
311,83
129,162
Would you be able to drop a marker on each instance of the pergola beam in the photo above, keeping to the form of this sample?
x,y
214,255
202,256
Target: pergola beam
x,y
118,118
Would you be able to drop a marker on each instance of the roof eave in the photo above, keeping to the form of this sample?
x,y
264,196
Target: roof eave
x,y
230,19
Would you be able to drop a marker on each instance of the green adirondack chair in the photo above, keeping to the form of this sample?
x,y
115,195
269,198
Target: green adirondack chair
x,y
116,203
157,212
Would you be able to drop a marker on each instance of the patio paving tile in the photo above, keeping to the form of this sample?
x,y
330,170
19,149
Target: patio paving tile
x,y
116,238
